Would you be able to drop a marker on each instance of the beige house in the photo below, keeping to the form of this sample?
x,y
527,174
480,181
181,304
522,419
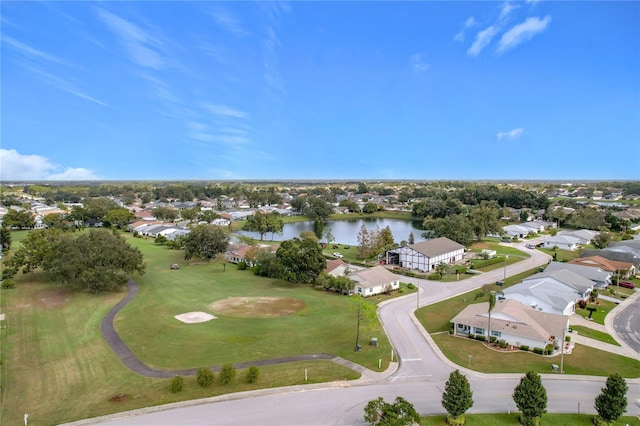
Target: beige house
x,y
372,281
425,256
512,321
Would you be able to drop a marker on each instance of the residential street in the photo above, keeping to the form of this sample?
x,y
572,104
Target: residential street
x,y
419,378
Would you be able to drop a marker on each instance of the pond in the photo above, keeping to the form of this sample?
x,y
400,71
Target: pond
x,y
346,231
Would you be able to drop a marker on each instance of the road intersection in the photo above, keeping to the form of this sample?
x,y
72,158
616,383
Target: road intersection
x,y
419,377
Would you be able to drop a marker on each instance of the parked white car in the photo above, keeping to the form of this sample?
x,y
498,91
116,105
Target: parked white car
x,y
338,255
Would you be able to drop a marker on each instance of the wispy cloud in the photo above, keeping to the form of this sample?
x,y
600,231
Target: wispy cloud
x,y
226,111
418,63
507,8
142,47
469,23
483,38
272,76
510,134
62,84
522,32
224,19
16,166
31,52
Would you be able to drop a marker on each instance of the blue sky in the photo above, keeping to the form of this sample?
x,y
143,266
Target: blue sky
x,y
320,90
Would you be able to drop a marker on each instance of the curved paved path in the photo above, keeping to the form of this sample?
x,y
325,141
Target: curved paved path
x,y
134,364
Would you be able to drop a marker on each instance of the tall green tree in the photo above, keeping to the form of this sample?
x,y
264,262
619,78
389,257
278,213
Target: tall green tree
x,y
456,227
364,242
301,260
612,401
365,314
5,238
530,397
457,397
602,240
485,220
257,222
165,213
21,219
205,241
399,413
118,217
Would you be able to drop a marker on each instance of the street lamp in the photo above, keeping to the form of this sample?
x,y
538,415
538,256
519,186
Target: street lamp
x,y
564,333
506,257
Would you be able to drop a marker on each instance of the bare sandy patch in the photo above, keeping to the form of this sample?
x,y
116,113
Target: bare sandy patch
x,y
257,307
194,317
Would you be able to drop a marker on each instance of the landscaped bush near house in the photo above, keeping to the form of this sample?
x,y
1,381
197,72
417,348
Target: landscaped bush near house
x,y
411,286
502,344
538,351
471,336
548,350
242,266
492,339
582,304
227,374
567,338
434,277
205,377
524,347
481,337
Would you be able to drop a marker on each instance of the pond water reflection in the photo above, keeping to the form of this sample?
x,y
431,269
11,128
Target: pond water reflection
x,y
346,231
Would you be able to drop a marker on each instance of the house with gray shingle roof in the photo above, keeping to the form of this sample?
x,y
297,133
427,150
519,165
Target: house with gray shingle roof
x,y
372,281
600,277
514,322
425,255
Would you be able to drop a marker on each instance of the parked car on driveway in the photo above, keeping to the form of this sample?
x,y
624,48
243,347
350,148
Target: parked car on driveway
x,y
626,284
338,255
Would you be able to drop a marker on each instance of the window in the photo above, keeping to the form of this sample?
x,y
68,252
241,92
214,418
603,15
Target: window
x,y
478,330
496,333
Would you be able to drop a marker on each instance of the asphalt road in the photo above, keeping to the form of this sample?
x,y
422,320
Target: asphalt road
x,y
627,325
420,379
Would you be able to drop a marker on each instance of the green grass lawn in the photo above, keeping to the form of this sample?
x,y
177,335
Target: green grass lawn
x,y
602,309
549,419
594,334
57,367
562,255
583,360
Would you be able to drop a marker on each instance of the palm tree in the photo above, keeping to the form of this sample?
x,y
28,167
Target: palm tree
x,y
493,295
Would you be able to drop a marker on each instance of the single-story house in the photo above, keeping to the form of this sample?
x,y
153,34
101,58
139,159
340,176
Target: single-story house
x,y
615,255
425,255
517,231
514,322
600,277
621,269
372,281
237,253
553,292
562,242
337,267
584,236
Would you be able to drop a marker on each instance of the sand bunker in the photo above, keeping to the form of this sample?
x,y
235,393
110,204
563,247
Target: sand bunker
x,y
194,317
257,307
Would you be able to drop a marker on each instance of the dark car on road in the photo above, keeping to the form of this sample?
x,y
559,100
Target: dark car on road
x,y
626,284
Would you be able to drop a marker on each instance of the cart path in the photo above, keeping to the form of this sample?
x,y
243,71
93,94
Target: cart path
x,y
132,362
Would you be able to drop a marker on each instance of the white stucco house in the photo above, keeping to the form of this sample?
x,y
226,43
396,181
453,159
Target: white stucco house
x,y
424,256
562,242
553,292
512,321
372,281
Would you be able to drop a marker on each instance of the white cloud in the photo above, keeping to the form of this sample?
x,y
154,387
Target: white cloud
x,y
226,111
506,9
141,46
228,22
511,134
62,84
470,22
31,52
483,38
418,64
522,32
16,166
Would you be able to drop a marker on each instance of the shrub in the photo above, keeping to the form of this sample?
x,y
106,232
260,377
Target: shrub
x,y
548,350
252,374
205,377
492,339
177,384
524,347
135,234
582,304
434,277
502,344
8,284
567,338
539,351
471,336
242,266
410,286
227,374
481,337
